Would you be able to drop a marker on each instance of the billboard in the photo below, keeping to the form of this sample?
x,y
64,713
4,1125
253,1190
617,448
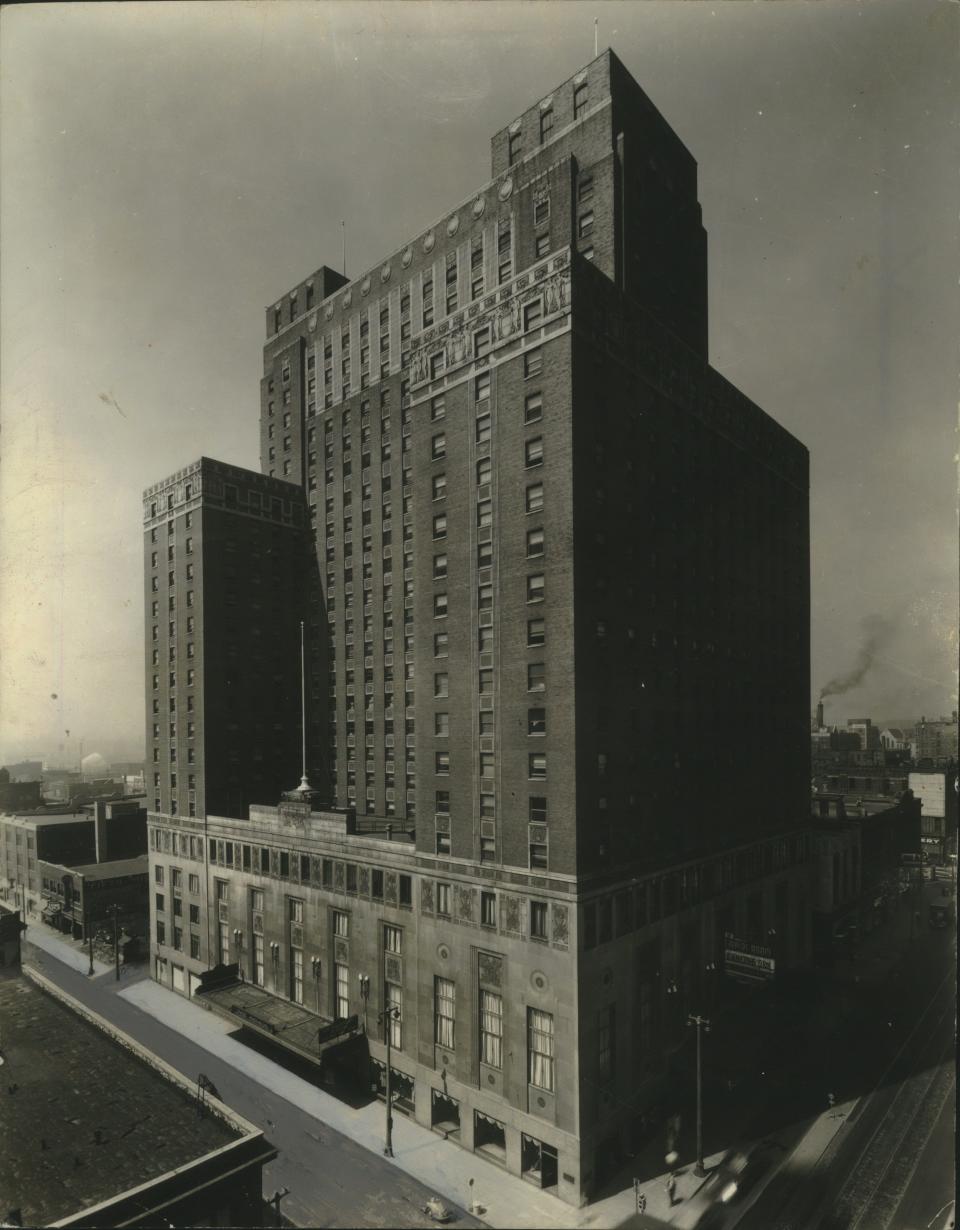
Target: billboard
x,y
744,960
929,788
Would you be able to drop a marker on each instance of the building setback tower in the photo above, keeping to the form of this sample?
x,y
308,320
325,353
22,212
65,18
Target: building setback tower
x,y
562,569
227,575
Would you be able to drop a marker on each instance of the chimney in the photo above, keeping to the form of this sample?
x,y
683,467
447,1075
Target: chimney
x,y
820,715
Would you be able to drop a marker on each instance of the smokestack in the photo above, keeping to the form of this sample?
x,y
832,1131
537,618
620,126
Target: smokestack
x,y
820,715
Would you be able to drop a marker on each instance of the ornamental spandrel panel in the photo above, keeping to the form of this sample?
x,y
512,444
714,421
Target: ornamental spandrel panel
x,y
426,896
465,901
561,937
341,951
339,876
391,889
490,970
364,881
511,909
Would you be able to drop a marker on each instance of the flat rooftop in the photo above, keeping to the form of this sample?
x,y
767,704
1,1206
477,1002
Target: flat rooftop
x,y
111,870
90,1118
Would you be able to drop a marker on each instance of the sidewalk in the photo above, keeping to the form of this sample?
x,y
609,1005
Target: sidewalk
x,y
64,950
442,1166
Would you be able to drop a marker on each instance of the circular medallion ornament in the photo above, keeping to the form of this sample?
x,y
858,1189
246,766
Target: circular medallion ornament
x,y
406,258
365,286
328,312
538,980
443,952
385,272
506,188
347,299
428,241
479,205
453,225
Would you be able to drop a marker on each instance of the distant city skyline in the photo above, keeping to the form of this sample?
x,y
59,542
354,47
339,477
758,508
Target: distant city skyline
x,y
145,218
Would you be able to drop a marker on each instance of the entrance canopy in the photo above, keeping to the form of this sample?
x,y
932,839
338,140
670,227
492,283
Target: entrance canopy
x,y
289,1025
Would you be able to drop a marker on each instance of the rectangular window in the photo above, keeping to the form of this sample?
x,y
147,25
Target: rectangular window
x,y
486,682
441,684
546,124
533,363
581,99
441,641
442,763
483,428
444,999
442,803
443,900
535,588
514,146
534,497
440,602
537,812
481,343
585,224
536,721
393,1002
341,924
533,314
538,856
533,452
441,724
537,765
438,407
393,940
536,632
438,447
534,543
439,486
439,567
484,513
536,677
440,525
491,1029
481,388
443,844
540,1049
484,554
488,807
538,920
488,909
486,722
342,982
484,470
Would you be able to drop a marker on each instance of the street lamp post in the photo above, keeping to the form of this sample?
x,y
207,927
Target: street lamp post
x,y
115,911
90,946
387,1017
364,995
699,1022
275,957
315,966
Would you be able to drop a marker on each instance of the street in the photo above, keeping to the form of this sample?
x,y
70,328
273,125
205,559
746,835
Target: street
x,y
890,1166
332,1180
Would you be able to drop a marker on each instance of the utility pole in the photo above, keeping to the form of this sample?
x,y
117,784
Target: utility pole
x,y
386,1018
90,945
700,1021
116,939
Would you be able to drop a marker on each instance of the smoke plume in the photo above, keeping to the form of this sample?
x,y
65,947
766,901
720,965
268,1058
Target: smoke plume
x,y
877,632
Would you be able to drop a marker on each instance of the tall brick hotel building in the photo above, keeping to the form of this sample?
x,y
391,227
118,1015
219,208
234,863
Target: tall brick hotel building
x,y
551,567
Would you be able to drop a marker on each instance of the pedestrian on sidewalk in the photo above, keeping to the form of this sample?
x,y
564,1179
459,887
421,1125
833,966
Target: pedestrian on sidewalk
x,y
671,1187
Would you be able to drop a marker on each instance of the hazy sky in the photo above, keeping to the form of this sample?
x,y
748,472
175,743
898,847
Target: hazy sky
x,y
168,170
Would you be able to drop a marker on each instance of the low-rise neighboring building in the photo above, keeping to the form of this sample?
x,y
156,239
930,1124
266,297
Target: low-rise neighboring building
x,y
860,849
102,831
25,770
78,899
16,795
936,741
106,1133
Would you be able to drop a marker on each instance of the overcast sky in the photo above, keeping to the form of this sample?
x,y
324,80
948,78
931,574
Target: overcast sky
x,y
169,170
